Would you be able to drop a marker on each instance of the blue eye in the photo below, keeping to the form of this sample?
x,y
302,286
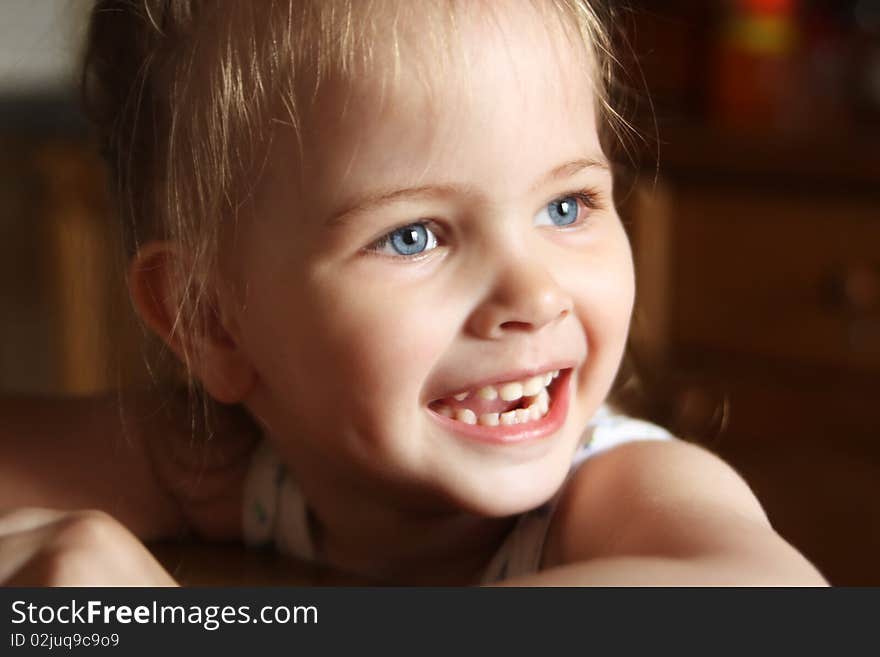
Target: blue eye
x,y
410,240
565,211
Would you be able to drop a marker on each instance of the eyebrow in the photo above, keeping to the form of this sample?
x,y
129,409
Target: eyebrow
x,y
380,199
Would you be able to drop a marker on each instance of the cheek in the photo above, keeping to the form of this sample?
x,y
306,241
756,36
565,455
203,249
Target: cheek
x,y
604,306
382,341
605,297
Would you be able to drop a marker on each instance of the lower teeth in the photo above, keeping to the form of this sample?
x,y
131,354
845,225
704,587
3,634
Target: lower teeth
x,y
538,408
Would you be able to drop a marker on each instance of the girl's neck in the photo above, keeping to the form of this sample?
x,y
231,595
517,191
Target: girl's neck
x,y
455,551
359,533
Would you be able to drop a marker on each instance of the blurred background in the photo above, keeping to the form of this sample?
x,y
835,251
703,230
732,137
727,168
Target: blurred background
x,y
754,210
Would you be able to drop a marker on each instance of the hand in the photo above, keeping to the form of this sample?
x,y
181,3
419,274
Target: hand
x,y
42,547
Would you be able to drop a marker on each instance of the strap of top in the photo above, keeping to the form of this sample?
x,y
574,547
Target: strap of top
x,y
275,509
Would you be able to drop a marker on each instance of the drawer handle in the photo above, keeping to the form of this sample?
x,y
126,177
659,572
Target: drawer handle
x,y
856,289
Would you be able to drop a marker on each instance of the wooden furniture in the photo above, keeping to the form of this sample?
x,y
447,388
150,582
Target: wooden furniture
x,y
759,306
196,564
68,324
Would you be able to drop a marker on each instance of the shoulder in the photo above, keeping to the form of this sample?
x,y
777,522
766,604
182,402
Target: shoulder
x,y
666,497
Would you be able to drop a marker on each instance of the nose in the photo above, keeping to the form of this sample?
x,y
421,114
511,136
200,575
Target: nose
x,y
523,297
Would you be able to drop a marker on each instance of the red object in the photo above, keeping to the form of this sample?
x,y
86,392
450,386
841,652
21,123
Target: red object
x,y
757,66
768,7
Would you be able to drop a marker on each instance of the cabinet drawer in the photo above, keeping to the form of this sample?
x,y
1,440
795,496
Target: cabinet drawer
x,y
772,275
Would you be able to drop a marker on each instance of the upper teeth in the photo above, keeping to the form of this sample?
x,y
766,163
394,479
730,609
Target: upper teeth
x,y
512,390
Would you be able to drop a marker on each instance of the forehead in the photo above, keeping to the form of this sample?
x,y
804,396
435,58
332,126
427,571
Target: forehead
x,y
449,92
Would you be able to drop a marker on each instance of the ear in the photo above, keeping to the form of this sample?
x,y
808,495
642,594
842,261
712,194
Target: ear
x,y
215,354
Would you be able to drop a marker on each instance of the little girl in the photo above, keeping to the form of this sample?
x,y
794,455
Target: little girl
x,y
385,230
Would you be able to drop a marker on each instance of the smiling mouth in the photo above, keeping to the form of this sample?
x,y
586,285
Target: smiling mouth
x,y
503,404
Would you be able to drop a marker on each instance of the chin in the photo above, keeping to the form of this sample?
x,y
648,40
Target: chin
x,y
515,491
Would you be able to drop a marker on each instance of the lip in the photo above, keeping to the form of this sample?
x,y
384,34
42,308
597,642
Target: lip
x,y
517,434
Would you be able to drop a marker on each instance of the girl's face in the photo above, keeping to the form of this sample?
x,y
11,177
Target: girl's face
x,y
449,231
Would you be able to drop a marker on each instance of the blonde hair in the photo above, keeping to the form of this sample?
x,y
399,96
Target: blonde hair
x,y
184,95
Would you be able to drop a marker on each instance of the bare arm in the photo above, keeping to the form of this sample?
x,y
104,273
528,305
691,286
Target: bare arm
x,y
665,514
42,547
136,461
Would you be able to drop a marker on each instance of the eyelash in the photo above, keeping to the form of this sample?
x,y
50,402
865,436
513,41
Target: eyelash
x,y
589,198
383,241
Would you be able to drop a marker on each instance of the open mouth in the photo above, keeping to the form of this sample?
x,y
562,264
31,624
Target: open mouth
x,y
522,402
